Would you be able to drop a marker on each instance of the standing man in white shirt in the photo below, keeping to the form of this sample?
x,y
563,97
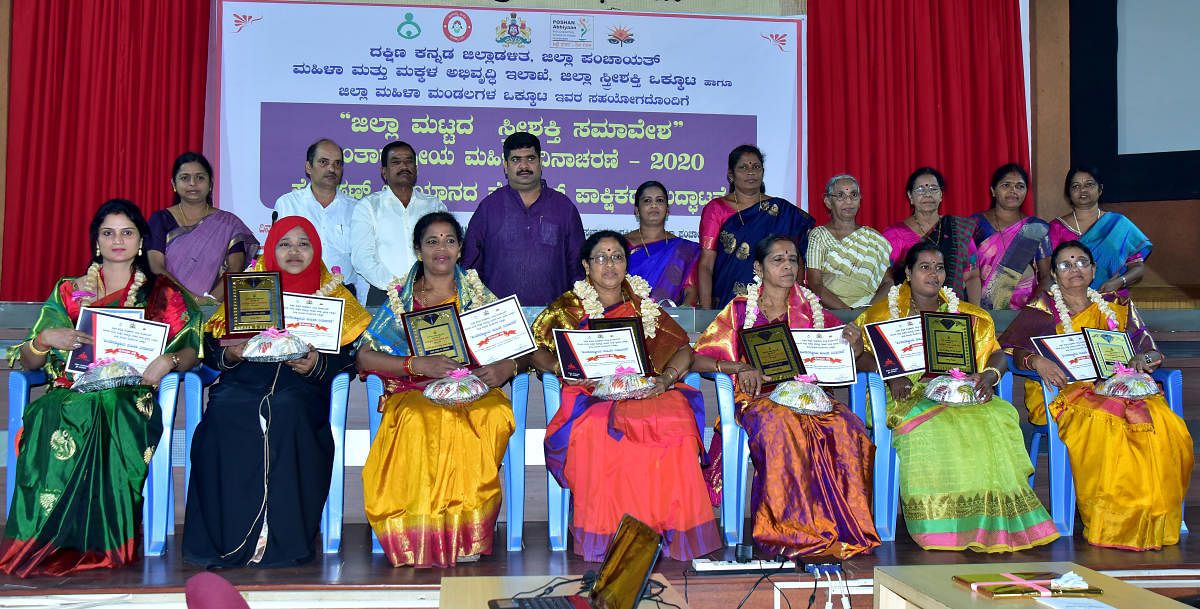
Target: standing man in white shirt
x,y
384,221
329,209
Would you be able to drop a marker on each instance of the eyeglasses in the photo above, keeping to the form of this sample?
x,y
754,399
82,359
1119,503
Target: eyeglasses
x,y
842,197
751,168
605,259
1078,263
921,190
1078,186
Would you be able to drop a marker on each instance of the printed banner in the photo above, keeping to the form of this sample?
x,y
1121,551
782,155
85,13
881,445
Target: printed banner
x,y
616,99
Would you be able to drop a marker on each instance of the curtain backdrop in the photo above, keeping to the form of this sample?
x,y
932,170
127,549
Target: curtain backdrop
x,y
103,95
899,84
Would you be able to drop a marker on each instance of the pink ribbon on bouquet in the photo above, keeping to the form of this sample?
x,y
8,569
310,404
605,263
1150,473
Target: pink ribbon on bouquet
x,y
805,378
1036,584
459,373
104,361
625,370
274,332
1123,369
957,374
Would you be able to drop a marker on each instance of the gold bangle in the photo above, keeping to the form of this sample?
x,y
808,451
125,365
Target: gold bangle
x,y
719,367
673,376
33,347
516,369
997,371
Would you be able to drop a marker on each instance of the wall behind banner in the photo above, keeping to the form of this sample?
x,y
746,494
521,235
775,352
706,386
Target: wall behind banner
x,y
616,98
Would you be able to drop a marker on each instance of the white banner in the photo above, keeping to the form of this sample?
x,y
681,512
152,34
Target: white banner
x,y
616,99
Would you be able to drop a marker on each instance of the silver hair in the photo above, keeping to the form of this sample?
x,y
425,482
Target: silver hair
x,y
837,178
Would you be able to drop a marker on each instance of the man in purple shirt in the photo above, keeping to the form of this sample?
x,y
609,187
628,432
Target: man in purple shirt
x,y
524,239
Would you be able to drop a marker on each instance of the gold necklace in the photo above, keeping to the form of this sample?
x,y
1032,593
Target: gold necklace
x,y
646,248
189,220
1078,230
737,200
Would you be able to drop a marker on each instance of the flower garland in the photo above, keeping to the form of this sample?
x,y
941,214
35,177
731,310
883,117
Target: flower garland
x,y
471,279
330,286
947,294
1064,314
649,309
393,292
93,284
754,290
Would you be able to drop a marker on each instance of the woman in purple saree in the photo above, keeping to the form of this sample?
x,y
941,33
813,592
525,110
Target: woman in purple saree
x,y
193,242
666,262
1013,249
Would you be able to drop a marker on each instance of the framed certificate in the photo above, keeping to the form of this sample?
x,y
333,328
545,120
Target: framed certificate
x,y
633,323
825,354
594,354
497,331
253,303
770,349
949,342
898,346
436,331
125,338
316,320
1070,352
1108,348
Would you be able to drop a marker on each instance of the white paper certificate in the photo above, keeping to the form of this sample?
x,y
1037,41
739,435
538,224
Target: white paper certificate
x,y
123,337
898,345
594,354
316,320
1070,352
497,331
826,355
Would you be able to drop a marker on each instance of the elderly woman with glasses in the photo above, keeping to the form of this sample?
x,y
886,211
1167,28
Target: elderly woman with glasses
x,y
1131,458
847,262
1121,248
731,225
951,235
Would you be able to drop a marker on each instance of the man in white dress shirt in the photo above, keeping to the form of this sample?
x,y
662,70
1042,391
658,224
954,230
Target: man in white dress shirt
x,y
384,220
329,209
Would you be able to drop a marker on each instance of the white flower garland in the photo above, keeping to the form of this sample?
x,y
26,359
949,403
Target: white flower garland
x,y
393,292
94,284
1064,314
330,286
649,309
948,295
754,290
471,279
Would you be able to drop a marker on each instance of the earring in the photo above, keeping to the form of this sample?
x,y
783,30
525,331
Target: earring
x,y
97,251
139,251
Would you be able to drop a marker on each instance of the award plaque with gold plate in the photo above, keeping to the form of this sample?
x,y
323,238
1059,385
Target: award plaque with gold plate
x,y
253,303
1108,348
772,351
437,331
949,342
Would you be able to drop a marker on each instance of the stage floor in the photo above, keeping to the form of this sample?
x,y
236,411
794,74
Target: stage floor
x,y
355,568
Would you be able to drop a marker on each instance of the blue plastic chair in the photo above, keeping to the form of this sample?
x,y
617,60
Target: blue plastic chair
x,y
339,395
558,499
887,463
513,464
157,500
735,450
1062,482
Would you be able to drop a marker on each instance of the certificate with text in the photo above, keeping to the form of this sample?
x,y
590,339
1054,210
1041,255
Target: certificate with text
x,y
125,338
826,355
1108,348
497,331
594,354
316,320
1070,352
898,346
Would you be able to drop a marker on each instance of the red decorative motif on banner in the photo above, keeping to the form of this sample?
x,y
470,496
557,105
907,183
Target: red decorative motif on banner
x,y
241,21
779,40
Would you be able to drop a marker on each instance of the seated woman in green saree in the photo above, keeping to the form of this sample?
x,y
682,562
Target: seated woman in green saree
x,y
83,457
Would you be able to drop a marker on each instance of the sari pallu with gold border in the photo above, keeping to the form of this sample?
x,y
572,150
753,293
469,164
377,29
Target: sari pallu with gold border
x,y
1131,459
964,472
196,254
640,457
811,492
733,236
1007,260
431,483
83,457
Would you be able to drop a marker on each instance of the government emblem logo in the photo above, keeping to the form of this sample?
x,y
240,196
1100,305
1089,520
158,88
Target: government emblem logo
x,y
513,32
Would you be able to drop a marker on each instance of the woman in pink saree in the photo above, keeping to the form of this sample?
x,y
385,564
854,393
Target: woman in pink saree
x,y
193,242
1013,249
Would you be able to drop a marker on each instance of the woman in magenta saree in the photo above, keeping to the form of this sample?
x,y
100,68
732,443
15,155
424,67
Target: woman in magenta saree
x,y
193,242
731,225
668,263
1013,249
812,472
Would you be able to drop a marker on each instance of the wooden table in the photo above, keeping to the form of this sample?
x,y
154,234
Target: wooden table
x,y
475,592
931,586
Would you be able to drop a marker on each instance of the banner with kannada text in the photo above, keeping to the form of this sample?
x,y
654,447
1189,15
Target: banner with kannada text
x,y
616,99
